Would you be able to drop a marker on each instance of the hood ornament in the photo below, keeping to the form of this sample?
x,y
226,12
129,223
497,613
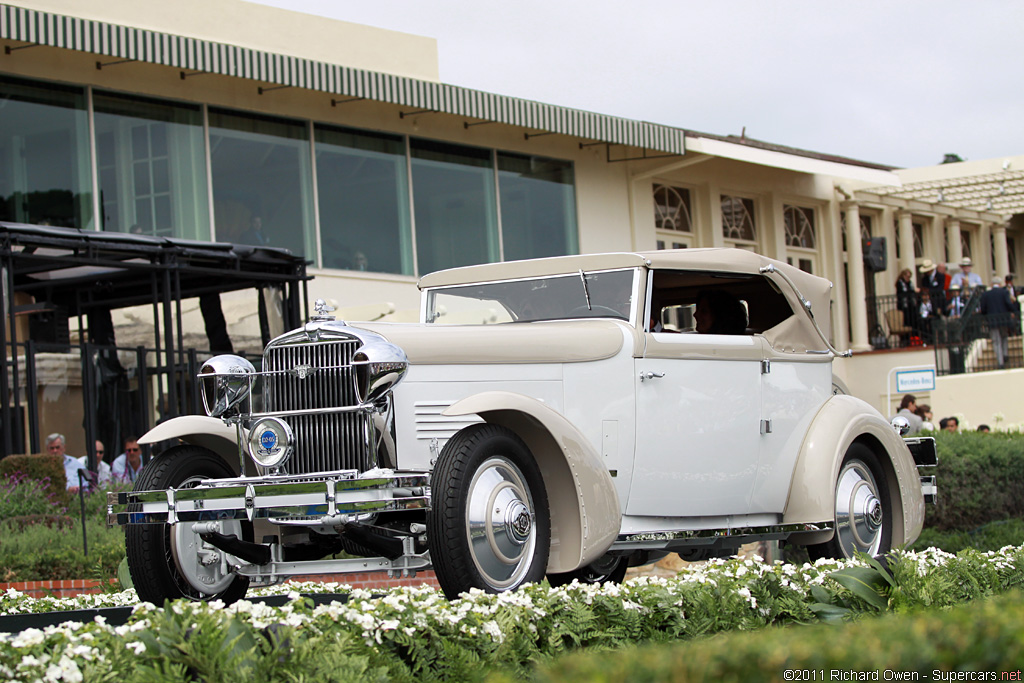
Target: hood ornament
x,y
322,310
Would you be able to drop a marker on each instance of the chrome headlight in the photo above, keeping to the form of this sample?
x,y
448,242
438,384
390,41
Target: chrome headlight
x,y
225,381
271,442
378,368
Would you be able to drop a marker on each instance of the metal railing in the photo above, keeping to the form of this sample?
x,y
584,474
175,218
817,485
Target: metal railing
x,y
123,392
955,328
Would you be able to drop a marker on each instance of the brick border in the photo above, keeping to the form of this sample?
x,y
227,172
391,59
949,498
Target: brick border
x,y
66,588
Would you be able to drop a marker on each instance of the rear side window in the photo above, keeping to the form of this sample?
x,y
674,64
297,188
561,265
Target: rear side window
x,y
746,304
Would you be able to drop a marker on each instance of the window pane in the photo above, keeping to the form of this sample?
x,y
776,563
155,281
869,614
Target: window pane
x,y
152,167
538,206
262,189
672,208
799,223
364,201
738,219
45,175
454,204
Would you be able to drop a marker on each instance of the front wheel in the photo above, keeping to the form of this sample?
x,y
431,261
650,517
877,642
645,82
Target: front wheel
x,y
863,509
488,525
168,562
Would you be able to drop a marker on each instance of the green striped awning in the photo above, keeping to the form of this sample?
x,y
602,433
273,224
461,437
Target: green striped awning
x,y
124,42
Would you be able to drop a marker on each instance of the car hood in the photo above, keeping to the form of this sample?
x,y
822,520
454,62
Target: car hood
x,y
541,342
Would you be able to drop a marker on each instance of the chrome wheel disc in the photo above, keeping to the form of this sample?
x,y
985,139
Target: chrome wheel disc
x,y
201,565
500,523
860,516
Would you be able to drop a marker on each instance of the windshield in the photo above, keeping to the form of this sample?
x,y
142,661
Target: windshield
x,y
596,294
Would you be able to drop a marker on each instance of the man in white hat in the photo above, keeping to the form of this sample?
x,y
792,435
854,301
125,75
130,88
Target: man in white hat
x,y
935,284
966,279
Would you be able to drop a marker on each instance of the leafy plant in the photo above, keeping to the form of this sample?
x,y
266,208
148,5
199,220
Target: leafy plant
x,y
21,495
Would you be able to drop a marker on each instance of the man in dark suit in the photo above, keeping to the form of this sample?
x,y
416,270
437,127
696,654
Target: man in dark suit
x,y
1000,314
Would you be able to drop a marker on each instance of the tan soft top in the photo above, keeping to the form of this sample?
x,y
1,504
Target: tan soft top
x,y
795,333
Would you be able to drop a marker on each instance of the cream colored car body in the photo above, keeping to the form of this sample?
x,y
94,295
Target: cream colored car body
x,y
646,440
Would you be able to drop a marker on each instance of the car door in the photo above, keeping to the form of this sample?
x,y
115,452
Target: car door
x,y
698,424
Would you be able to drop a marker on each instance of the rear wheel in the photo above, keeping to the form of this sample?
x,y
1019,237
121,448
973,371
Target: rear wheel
x,y
168,562
863,509
488,524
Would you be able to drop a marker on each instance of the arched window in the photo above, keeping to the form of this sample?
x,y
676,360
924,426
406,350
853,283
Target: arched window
x,y
738,222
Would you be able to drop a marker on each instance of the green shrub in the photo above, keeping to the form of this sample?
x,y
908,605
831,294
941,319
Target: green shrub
x,y
984,636
48,469
980,477
22,495
991,536
37,552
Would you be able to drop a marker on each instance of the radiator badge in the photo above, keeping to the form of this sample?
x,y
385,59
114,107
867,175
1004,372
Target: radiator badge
x,y
303,371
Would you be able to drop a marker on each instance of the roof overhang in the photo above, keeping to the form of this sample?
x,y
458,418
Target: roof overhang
x,y
790,162
194,55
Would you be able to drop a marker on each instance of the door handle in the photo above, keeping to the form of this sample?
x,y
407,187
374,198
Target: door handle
x,y
650,375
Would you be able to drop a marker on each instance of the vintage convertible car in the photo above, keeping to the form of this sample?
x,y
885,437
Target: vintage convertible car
x,y
616,408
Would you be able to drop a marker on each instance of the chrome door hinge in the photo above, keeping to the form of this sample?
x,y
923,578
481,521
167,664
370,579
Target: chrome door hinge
x,y
766,366
766,426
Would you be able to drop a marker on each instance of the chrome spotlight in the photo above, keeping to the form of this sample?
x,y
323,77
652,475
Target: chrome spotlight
x,y
379,367
225,381
900,424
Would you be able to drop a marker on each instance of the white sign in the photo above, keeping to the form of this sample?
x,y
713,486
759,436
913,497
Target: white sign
x,y
915,380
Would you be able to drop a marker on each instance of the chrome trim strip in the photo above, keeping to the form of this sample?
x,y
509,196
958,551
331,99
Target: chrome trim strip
x,y
703,536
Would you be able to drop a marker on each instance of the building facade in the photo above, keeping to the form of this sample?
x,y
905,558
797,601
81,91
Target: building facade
x,y
234,122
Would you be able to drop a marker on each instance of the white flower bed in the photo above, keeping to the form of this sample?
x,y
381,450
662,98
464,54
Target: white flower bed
x,y
746,593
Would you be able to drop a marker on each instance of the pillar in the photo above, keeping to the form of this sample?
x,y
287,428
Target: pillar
x,y
905,234
953,245
855,276
1001,252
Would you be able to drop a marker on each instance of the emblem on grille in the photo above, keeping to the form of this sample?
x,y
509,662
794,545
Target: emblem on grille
x,y
303,371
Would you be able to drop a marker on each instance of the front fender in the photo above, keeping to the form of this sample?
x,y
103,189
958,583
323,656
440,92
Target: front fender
x,y
584,525
209,432
838,424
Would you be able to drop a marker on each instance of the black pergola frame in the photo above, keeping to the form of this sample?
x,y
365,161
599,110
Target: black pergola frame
x,y
88,271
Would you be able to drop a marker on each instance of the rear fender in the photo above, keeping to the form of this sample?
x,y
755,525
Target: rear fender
x,y
842,421
583,525
209,432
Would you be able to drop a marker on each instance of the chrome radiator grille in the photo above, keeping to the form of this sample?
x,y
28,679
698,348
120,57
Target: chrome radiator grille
x,y
323,442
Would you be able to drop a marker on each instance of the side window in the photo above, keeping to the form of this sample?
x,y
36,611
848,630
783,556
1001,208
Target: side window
x,y
714,303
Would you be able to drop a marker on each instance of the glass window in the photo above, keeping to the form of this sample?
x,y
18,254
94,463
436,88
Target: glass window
x,y
363,201
799,221
152,167
454,205
45,175
538,206
262,186
965,243
738,219
600,294
672,209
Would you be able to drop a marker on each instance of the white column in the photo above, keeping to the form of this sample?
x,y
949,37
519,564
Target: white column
x,y
1001,252
905,235
956,252
855,275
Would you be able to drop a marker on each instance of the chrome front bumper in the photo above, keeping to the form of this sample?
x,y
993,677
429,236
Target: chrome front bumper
x,y
325,498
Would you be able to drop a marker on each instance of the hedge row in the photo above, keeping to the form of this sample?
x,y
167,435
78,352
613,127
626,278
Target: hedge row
x,y
980,477
980,641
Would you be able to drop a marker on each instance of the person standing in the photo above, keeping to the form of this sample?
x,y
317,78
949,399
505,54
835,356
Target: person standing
x,y
966,279
127,466
55,446
1000,315
906,298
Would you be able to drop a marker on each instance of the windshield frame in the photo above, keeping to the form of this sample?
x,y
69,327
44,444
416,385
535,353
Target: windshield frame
x,y
429,295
